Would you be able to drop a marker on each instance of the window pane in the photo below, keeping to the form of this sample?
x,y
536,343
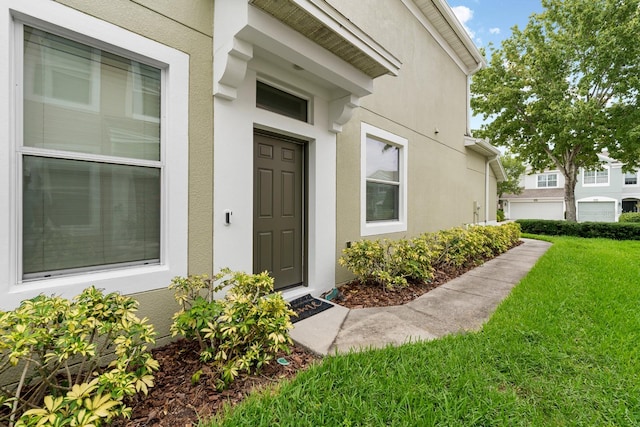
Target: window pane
x,y
552,180
82,99
281,102
382,201
589,177
82,214
630,178
383,161
542,181
602,177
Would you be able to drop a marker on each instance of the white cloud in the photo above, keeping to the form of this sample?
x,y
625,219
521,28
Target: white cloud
x,y
494,30
464,15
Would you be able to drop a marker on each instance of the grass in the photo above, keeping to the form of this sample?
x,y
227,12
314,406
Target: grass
x,y
562,350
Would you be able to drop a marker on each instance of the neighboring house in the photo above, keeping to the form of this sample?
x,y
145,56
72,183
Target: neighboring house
x,y
542,197
145,140
601,195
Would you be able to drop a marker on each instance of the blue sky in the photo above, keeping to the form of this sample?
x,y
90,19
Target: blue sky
x,y
490,21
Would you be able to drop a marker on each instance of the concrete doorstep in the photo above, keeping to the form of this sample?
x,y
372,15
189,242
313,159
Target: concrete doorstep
x,y
462,304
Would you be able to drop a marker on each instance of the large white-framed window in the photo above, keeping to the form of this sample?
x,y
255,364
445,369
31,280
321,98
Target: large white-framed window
x,y
596,177
384,181
96,154
548,180
631,179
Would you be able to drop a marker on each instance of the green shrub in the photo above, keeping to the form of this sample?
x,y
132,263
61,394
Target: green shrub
x,y
55,346
466,247
239,333
606,230
389,263
500,215
394,263
499,239
629,217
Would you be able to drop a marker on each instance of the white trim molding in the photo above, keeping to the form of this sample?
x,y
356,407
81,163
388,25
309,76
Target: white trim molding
x,y
247,29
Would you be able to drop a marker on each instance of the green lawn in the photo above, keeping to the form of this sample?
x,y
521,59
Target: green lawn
x,y
562,350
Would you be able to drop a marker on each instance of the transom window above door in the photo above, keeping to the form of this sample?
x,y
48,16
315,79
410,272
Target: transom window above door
x,y
281,102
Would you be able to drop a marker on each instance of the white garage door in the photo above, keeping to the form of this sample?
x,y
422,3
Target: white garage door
x,y
597,211
536,210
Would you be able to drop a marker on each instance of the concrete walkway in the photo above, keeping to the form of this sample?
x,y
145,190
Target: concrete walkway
x,y
462,304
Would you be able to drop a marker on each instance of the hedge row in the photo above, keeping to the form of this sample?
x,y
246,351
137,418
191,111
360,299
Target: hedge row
x,y
395,263
607,230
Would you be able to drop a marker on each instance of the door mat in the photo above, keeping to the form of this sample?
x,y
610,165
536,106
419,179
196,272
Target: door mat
x,y
307,306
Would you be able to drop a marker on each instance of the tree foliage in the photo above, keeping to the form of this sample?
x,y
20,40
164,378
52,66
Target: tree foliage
x,y
514,168
566,87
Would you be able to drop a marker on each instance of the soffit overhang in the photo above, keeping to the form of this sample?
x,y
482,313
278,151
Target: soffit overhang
x,y
438,18
292,32
491,153
324,25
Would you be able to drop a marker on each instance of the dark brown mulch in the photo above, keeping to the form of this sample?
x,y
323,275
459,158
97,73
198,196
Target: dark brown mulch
x,y
174,401
356,294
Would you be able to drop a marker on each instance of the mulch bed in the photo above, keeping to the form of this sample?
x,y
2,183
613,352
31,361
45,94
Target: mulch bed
x,y
356,294
174,401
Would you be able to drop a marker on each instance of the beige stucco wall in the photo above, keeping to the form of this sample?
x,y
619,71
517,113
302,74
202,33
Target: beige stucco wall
x,y
444,177
185,25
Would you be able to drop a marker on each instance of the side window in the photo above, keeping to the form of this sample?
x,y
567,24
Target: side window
x,y
95,153
384,181
91,172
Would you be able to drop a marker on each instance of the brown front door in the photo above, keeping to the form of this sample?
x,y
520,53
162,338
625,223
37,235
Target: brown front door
x,y
278,225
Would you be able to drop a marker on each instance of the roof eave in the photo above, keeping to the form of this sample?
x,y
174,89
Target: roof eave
x,y
324,25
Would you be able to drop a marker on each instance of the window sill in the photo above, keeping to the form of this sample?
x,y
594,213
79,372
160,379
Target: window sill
x,y
382,227
124,280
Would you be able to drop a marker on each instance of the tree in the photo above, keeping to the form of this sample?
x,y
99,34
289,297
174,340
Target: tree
x,y
514,168
566,87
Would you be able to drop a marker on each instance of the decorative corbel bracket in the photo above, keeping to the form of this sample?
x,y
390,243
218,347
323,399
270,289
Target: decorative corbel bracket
x,y
341,110
232,69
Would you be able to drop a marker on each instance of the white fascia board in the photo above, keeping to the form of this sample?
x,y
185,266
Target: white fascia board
x,y
481,146
462,34
342,26
498,169
457,28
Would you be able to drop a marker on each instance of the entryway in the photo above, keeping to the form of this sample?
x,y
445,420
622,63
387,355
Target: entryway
x,y
279,200
630,205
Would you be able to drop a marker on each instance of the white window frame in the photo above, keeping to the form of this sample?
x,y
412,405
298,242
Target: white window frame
x,y
624,179
546,180
605,168
382,227
67,22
